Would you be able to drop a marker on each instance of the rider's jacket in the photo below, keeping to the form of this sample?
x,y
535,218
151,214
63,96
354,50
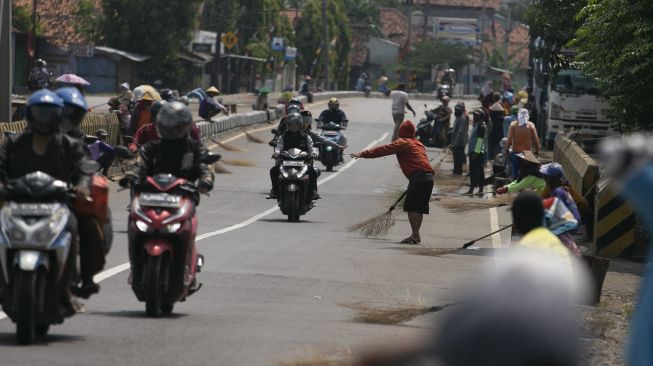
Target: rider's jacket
x,y
337,117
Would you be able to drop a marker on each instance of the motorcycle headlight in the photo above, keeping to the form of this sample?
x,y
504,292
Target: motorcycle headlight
x,y
173,228
142,226
329,148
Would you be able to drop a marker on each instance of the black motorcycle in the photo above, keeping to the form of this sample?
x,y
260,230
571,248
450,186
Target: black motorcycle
x,y
294,184
328,155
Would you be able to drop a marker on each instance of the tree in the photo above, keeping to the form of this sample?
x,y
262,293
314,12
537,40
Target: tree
x,y
157,28
309,35
429,53
554,23
615,43
21,19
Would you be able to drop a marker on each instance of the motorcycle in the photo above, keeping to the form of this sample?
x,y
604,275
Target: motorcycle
x,y
294,184
328,155
161,232
35,245
424,129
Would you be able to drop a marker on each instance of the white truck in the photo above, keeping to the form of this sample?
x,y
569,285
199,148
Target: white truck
x,y
569,101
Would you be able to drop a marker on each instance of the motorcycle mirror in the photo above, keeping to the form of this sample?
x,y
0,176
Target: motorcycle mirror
x,y
274,131
123,152
89,167
211,158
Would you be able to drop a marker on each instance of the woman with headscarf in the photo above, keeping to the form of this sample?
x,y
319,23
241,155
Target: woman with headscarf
x,y
522,136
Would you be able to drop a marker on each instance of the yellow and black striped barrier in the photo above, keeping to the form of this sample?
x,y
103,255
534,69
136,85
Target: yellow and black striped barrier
x,y
615,221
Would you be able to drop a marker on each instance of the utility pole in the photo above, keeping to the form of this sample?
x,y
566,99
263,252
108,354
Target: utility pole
x,y
216,71
325,49
6,61
481,71
506,39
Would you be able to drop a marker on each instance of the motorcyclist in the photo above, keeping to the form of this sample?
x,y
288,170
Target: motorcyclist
x,y
42,147
442,122
294,138
94,230
294,105
174,153
38,77
305,89
336,115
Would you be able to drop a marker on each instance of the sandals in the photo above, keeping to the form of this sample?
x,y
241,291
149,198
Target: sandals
x,y
409,240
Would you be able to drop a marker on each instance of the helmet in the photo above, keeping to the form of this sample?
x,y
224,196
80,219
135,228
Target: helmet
x,y
553,170
294,101
295,122
101,133
334,104
43,111
74,108
307,121
40,63
156,108
293,108
174,121
167,94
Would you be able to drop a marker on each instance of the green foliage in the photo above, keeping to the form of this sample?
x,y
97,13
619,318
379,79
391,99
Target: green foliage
x,y
555,23
88,20
310,34
21,19
615,43
428,53
157,28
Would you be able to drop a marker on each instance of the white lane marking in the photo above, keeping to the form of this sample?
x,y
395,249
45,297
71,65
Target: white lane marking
x,y
123,267
494,226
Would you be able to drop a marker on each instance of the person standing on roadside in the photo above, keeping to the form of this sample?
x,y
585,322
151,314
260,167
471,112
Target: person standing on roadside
x,y
399,105
459,137
476,150
414,163
522,136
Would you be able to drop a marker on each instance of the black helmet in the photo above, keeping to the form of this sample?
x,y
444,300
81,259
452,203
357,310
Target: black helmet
x,y
295,122
334,104
40,63
293,102
156,108
43,111
174,121
167,95
293,109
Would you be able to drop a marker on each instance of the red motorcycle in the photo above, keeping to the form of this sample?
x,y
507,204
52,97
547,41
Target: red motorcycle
x,y
162,227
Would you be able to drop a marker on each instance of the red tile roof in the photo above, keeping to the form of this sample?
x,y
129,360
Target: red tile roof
x,y
394,25
58,20
495,4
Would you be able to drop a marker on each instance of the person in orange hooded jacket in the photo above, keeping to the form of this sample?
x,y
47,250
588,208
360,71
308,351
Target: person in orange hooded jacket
x,y
414,163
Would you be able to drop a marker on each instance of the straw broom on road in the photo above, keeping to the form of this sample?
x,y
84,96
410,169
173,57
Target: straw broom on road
x,y
390,315
252,138
227,146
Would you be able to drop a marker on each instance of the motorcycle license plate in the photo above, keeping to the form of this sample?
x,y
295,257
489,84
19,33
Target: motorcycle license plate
x,y
293,163
327,133
159,200
32,209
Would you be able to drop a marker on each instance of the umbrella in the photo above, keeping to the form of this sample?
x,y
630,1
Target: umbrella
x,y
72,79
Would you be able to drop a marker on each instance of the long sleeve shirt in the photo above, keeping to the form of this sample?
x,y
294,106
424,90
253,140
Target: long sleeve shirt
x,y
411,155
529,182
460,130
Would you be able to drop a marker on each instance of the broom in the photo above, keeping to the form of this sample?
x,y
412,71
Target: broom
x,y
436,252
380,224
252,138
226,146
368,313
238,162
218,168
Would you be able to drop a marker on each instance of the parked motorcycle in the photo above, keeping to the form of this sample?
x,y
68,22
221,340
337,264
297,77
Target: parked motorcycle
x,y
424,129
294,186
328,155
161,229
35,244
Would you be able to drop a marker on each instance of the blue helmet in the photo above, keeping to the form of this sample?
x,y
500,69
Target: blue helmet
x,y
74,108
43,111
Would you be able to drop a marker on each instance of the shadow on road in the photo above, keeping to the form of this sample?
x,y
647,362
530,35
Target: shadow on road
x,y
286,221
9,339
134,314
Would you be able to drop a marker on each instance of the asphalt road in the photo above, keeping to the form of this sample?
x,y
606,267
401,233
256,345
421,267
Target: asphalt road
x,y
273,289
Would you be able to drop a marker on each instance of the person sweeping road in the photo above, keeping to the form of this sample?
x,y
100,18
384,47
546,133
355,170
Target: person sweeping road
x,y
414,163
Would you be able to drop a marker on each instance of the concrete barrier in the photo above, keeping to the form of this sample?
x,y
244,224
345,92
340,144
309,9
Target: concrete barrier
x,y
614,221
581,170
